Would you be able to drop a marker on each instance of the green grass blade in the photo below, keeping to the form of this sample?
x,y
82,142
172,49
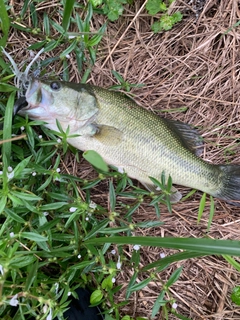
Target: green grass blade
x,y
53,206
33,236
46,24
205,246
6,148
3,202
201,206
96,160
71,47
14,216
140,285
179,316
174,277
25,7
233,262
173,258
212,210
34,15
68,7
158,303
31,275
5,24
112,196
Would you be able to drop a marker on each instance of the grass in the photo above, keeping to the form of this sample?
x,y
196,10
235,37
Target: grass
x,y
53,237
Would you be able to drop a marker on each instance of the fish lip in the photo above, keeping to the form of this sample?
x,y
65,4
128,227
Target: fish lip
x,y
19,104
22,102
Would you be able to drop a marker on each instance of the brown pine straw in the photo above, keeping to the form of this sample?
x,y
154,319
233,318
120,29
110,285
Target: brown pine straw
x,y
195,65
22,136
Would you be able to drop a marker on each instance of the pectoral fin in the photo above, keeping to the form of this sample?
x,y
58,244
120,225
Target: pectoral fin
x,y
108,135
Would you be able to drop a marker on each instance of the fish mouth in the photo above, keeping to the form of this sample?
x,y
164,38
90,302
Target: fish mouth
x,y
22,103
19,105
34,88
35,102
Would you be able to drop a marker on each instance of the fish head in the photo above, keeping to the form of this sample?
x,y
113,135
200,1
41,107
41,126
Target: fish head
x,y
73,105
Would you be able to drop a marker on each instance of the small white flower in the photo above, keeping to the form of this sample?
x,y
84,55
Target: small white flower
x,y
58,169
34,174
69,293
10,169
87,218
59,140
92,205
113,280
174,305
11,234
45,213
40,136
79,256
119,264
10,175
120,169
22,128
1,172
113,251
14,301
45,308
68,56
136,247
1,270
72,209
162,255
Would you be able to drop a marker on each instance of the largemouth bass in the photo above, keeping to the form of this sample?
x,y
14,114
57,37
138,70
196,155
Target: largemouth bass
x,y
129,137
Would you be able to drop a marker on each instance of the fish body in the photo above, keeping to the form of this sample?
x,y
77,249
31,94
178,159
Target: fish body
x,y
129,137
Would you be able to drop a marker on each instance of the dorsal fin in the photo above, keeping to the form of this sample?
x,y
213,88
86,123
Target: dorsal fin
x,y
189,136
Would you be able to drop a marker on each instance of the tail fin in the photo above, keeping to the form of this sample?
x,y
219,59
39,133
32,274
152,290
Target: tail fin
x,y
230,190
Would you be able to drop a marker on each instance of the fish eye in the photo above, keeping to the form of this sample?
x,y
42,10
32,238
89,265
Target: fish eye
x,y
55,86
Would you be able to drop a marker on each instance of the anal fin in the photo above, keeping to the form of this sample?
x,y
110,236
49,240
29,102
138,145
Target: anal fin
x,y
175,197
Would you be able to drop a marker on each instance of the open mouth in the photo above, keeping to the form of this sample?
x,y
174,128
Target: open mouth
x,y
35,90
19,105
